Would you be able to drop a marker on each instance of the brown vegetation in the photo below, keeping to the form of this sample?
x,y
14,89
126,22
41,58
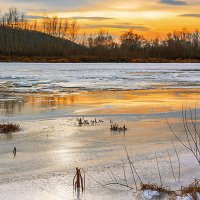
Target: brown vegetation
x,y
191,190
88,59
56,59
8,128
115,127
154,187
83,121
79,180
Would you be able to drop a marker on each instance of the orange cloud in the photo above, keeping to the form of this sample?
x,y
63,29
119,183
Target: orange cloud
x,y
150,18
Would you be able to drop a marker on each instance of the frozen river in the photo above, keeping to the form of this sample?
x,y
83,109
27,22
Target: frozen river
x,y
63,77
46,99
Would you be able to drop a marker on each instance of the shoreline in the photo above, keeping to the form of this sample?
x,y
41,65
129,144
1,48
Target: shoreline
x,y
78,90
90,59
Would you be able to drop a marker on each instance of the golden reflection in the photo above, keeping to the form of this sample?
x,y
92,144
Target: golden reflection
x,y
10,107
107,102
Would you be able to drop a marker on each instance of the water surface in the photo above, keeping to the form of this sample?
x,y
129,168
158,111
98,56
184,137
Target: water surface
x,y
23,77
46,99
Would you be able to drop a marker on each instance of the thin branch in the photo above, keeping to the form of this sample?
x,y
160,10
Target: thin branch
x,y
124,170
192,136
177,136
171,166
179,163
131,168
158,170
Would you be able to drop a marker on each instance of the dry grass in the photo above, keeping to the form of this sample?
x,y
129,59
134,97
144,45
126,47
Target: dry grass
x,y
90,59
191,190
8,128
163,191
154,187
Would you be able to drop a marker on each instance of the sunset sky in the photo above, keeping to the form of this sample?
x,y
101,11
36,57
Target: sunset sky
x,y
148,17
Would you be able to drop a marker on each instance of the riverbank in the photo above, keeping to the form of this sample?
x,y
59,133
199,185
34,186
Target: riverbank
x,y
91,59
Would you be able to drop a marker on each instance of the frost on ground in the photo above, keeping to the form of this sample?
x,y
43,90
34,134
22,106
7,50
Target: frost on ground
x,y
188,197
149,194
51,149
152,195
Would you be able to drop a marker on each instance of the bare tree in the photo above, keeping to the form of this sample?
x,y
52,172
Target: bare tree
x,y
73,30
190,131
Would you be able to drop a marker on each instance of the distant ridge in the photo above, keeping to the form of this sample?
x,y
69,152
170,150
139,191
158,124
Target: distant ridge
x,y
18,42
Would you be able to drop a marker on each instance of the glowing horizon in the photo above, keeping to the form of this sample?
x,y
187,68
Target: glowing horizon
x,y
150,18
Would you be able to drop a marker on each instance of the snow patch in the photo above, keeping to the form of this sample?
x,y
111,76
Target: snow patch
x,y
149,194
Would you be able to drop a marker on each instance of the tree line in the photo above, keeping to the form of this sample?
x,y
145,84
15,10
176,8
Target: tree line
x,y
58,27
53,36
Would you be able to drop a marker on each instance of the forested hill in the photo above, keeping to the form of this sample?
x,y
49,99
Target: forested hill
x,y
18,42
23,45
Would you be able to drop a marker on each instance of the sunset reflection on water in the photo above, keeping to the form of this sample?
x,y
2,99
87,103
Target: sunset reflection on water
x,y
102,102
